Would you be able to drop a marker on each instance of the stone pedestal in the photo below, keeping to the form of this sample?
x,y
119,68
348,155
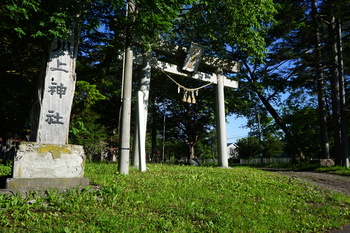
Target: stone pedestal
x,y
40,166
26,184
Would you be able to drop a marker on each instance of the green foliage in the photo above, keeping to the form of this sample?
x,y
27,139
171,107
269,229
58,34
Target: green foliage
x,y
272,146
248,147
178,199
206,147
230,26
153,18
5,170
40,19
185,122
86,95
304,125
84,129
236,30
13,12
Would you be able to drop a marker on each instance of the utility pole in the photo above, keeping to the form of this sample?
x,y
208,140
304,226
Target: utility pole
x,y
124,149
163,150
260,138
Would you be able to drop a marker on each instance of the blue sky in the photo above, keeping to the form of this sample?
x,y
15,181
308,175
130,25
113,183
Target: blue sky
x,y
234,128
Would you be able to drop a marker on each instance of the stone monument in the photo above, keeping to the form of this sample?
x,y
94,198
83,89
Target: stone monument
x,y
50,162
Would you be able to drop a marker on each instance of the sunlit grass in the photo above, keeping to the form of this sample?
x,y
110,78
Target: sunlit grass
x,y
335,170
5,170
179,199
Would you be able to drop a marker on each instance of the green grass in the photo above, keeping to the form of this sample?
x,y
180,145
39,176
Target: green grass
x,y
334,170
5,170
338,170
178,199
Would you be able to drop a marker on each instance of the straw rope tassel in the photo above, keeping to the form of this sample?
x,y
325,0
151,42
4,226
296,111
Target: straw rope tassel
x,y
193,98
184,97
187,97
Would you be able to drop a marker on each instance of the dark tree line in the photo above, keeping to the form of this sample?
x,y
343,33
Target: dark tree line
x,y
294,69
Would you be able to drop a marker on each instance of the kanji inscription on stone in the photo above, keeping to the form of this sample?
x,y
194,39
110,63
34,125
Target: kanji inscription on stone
x,y
58,94
58,89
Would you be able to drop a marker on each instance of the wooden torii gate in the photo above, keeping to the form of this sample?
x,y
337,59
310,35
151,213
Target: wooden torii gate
x,y
217,78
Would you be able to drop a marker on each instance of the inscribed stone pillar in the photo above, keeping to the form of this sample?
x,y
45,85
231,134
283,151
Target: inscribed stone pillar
x,y
50,163
58,92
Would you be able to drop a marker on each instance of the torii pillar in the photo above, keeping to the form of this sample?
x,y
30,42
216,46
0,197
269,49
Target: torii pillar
x,y
221,119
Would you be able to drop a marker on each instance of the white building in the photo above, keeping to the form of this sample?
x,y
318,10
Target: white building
x,y
231,152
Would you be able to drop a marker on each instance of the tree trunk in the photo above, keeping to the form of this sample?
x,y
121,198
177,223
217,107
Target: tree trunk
x,y
299,154
191,151
322,111
335,89
344,134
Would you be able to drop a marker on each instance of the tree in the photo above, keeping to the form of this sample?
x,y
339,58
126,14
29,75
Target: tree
x,y
322,111
314,41
272,146
231,27
298,63
288,67
248,147
303,123
85,129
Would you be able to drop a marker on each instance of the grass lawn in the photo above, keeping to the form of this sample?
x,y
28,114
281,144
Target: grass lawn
x,y
178,199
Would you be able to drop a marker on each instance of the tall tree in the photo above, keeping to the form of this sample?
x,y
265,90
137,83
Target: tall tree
x,y
322,111
334,18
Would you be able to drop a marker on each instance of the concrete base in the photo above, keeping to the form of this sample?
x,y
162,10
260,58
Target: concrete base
x,y
37,160
40,166
35,184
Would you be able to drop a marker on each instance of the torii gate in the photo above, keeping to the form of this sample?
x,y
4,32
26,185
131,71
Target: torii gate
x,y
217,78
